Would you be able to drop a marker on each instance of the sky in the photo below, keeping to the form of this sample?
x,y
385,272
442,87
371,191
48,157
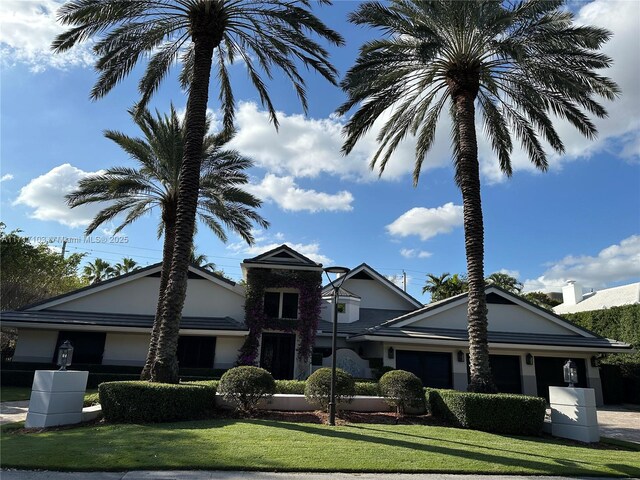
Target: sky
x,y
578,221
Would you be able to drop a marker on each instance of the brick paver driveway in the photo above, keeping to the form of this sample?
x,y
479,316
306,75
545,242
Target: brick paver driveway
x,y
620,423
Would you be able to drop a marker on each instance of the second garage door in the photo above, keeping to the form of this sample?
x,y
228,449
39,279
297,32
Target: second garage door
x,y
433,368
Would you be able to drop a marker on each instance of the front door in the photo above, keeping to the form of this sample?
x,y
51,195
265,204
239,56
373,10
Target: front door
x,y
277,354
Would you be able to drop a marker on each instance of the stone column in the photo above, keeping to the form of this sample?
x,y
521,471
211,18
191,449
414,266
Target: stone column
x,y
573,414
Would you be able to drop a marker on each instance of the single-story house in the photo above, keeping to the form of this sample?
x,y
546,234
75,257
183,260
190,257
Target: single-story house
x,y
379,325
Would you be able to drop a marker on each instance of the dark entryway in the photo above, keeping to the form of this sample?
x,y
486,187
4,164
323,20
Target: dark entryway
x,y
433,368
196,351
88,347
549,373
277,354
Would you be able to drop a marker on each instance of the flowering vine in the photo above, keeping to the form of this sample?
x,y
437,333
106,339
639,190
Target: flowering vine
x,y
309,287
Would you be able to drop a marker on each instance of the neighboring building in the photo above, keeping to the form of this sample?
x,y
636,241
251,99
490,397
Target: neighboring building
x,y
574,300
378,325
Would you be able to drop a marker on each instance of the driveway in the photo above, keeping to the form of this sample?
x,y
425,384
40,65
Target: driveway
x,y
13,411
620,423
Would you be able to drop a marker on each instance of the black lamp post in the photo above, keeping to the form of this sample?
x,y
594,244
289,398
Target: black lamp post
x,y
570,371
336,292
65,355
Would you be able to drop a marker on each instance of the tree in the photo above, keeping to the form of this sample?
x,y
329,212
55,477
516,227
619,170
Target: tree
x,y
98,271
127,265
275,34
505,281
541,299
202,261
521,62
155,183
445,286
31,273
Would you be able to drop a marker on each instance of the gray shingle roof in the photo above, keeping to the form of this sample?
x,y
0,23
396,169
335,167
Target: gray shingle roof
x,y
369,317
115,320
450,334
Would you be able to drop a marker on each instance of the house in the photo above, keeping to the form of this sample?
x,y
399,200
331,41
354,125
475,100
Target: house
x,y
574,300
282,320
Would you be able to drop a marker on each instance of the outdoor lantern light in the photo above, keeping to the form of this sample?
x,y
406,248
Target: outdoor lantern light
x,y
570,373
594,361
529,359
65,354
340,273
391,353
460,356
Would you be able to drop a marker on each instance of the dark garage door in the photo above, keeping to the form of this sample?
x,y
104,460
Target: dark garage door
x,y
549,373
506,373
434,369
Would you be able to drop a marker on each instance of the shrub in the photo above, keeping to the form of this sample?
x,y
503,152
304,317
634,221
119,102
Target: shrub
x,y
144,402
318,388
380,371
245,386
91,399
498,413
294,387
367,389
403,390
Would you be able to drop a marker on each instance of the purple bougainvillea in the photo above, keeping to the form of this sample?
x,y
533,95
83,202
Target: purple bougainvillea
x,y
309,287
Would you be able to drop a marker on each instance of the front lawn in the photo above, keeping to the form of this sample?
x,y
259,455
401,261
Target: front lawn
x,y
286,446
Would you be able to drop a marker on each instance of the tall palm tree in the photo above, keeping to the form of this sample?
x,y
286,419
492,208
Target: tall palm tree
x,y
445,286
506,281
127,265
519,62
135,191
266,35
97,271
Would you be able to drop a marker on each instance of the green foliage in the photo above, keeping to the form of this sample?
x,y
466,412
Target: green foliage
x,y
31,273
91,399
541,299
504,281
445,286
144,402
294,387
98,271
318,388
497,413
246,386
367,389
402,390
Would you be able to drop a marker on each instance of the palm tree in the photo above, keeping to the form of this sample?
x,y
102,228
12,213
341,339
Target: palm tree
x,y
134,192
127,265
445,286
97,271
518,62
505,281
201,260
274,34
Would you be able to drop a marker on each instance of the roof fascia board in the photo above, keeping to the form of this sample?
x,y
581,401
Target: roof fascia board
x,y
273,266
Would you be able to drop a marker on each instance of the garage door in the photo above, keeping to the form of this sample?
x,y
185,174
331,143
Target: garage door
x,y
433,368
505,370
549,373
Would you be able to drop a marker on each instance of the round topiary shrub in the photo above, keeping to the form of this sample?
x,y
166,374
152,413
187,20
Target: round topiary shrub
x,y
245,386
403,390
318,388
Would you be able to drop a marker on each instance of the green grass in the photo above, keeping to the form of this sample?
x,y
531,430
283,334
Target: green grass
x,y
285,446
14,394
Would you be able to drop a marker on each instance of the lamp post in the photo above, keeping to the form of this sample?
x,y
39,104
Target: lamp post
x,y
336,291
570,371
65,355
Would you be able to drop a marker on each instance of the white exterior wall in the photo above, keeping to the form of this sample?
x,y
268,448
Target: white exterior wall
x,y
125,349
204,298
502,318
351,311
35,345
227,351
376,295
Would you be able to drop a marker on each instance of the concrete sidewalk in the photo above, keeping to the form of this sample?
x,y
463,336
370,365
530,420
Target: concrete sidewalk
x,y
219,475
13,411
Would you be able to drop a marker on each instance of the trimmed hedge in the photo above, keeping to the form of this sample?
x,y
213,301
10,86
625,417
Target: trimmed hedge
x,y
144,402
367,389
245,386
292,387
403,390
318,388
497,413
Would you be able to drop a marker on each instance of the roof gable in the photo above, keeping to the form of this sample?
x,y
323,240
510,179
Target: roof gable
x,y
283,257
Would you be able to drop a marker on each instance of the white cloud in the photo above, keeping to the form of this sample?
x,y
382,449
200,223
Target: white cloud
x,y
398,280
616,263
288,196
414,253
28,28
309,250
512,273
427,222
45,194
6,177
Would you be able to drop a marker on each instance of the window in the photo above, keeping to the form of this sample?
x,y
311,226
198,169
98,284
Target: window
x,y
281,305
342,307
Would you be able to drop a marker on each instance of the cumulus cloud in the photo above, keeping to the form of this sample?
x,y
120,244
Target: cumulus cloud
x,y
414,253
427,222
616,263
6,177
45,195
264,241
28,28
287,195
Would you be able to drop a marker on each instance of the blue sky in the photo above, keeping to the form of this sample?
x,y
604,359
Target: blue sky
x,y
580,221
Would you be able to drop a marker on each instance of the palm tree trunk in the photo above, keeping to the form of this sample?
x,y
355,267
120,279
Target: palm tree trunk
x,y
169,221
468,179
165,367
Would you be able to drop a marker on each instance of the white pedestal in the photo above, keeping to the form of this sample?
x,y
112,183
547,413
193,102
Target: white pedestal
x,y
56,398
573,414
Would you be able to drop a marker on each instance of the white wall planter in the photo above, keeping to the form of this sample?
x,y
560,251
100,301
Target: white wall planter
x,y
56,398
573,414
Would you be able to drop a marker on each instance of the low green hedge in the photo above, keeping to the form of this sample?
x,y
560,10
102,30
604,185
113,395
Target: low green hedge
x,y
367,389
292,387
497,413
144,402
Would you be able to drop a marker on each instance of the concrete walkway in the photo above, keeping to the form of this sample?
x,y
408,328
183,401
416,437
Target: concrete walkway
x,y
218,475
13,411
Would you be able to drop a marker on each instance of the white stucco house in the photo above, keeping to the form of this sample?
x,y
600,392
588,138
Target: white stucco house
x,y
575,300
378,324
